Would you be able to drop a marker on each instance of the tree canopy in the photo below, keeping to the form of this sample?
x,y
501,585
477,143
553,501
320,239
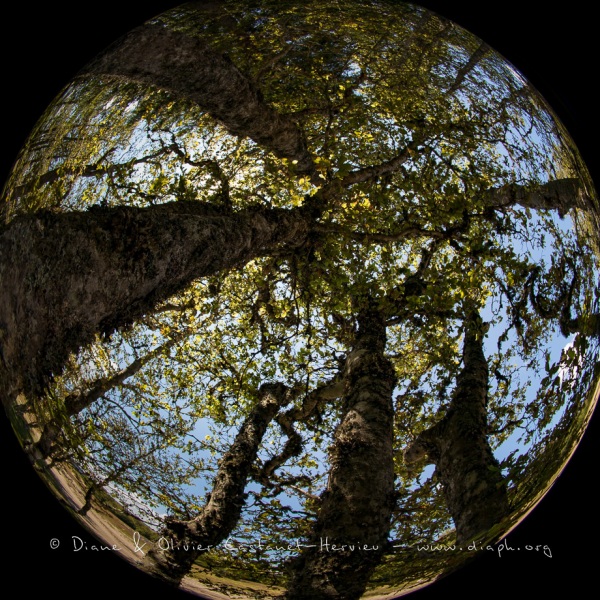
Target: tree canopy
x,y
280,258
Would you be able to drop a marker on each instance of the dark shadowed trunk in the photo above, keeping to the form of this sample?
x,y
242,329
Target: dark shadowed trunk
x,y
223,508
67,276
474,488
190,69
351,531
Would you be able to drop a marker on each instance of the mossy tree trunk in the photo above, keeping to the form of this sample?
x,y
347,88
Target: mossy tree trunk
x,y
66,277
351,531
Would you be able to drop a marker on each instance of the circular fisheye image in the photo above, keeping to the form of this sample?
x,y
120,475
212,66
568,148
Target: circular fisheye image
x,y
299,299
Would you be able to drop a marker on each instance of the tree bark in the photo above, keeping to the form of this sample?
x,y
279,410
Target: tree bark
x,y
351,531
223,508
561,195
190,69
475,491
67,276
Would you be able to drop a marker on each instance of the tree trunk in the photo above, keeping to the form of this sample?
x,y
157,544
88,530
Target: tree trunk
x,y
561,195
190,69
351,531
67,276
187,540
474,488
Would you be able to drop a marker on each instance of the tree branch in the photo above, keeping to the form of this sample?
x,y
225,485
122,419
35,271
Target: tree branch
x,y
98,169
390,166
473,61
310,405
82,399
